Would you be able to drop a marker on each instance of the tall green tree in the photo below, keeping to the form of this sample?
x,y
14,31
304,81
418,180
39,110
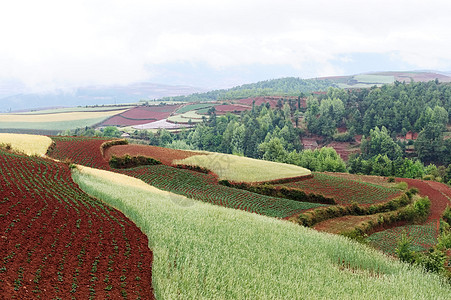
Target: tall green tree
x,y
430,145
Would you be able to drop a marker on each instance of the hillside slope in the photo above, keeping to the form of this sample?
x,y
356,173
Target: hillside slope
x,y
56,242
210,252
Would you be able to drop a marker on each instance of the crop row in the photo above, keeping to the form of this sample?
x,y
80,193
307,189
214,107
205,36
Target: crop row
x,y
204,187
79,150
344,191
57,242
192,184
422,237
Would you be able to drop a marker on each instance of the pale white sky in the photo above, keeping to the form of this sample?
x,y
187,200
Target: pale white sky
x,y
51,44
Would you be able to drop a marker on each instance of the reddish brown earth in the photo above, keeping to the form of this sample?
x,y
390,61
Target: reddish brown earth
x,y
272,100
341,224
223,109
56,242
165,155
344,149
438,193
141,115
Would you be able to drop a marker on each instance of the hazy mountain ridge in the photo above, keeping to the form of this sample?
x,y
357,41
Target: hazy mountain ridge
x,y
94,95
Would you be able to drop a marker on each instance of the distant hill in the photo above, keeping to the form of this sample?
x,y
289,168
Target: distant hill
x,y
288,86
379,78
94,95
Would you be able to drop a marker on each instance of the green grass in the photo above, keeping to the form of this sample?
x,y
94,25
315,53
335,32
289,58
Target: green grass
x,y
243,169
195,106
57,125
76,109
370,79
203,251
422,237
184,118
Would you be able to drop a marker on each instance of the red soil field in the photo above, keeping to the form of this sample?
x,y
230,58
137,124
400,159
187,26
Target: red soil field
x,y
438,193
57,242
165,155
83,151
141,115
223,109
344,191
271,100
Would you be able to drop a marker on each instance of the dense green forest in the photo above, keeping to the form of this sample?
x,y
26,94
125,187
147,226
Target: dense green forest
x,y
289,86
400,108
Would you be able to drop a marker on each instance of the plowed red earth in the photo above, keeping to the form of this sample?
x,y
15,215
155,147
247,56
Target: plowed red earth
x,y
165,155
438,193
56,242
141,115
223,109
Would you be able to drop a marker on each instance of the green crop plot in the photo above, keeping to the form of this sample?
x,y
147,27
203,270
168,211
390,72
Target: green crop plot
x,y
243,169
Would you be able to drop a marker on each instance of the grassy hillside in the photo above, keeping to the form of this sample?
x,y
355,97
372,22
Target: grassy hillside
x,y
209,252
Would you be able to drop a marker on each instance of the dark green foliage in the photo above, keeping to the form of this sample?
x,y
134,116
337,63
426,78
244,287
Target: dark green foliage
x,y
394,210
404,250
433,261
111,131
430,145
379,142
194,168
383,166
128,161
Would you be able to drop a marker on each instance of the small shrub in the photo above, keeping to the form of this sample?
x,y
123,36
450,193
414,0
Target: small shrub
x,y
434,261
402,185
6,146
391,179
447,215
428,177
128,161
403,250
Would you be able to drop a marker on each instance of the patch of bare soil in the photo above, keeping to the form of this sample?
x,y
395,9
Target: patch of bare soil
x,y
165,155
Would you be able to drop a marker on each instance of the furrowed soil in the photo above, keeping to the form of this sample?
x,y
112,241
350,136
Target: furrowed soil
x,y
56,242
165,155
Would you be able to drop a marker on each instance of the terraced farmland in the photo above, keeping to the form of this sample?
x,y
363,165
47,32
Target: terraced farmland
x,y
204,187
344,191
199,186
141,115
422,237
56,242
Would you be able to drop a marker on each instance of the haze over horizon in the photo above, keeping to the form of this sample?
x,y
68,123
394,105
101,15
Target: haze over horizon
x,y
61,45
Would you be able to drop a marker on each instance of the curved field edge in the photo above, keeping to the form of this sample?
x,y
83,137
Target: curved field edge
x,y
203,251
243,169
27,143
192,184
